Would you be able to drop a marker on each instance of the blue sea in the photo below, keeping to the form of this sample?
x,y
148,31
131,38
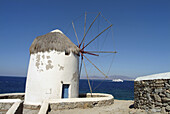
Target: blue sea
x,y
120,90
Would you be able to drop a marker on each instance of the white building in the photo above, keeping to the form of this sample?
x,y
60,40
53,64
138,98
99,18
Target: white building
x,y
53,71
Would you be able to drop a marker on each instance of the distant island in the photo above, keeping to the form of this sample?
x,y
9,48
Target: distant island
x,y
109,78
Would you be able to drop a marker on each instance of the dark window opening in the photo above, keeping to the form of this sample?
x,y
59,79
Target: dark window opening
x,y
65,91
67,53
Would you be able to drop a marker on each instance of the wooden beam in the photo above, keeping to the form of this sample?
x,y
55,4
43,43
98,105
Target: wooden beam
x,y
102,51
87,78
89,29
75,33
96,67
98,36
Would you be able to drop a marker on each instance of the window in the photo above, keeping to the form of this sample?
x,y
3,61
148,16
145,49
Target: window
x,y
67,53
65,91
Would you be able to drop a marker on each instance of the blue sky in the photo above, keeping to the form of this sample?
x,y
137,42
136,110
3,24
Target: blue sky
x,y
141,31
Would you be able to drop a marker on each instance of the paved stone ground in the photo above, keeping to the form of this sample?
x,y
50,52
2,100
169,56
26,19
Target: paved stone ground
x,y
28,111
4,107
119,107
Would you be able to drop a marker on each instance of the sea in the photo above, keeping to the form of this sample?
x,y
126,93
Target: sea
x,y
120,90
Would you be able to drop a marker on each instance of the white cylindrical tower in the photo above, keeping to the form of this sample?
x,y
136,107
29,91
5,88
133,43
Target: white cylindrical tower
x,y
53,71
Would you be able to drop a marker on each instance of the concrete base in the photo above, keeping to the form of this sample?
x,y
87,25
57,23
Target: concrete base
x,y
84,101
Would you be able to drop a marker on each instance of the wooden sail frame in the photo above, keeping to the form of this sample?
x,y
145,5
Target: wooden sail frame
x,y
82,51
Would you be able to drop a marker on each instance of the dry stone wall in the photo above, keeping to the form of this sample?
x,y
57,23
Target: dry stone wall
x,y
152,95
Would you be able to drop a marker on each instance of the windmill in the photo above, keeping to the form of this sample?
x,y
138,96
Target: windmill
x,y
83,46
54,69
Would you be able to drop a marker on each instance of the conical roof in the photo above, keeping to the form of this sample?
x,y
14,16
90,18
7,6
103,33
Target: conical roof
x,y
55,40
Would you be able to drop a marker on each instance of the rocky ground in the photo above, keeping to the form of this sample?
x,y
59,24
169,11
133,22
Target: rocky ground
x,y
119,107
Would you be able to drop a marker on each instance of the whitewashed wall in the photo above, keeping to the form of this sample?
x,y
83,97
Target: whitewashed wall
x,y
47,72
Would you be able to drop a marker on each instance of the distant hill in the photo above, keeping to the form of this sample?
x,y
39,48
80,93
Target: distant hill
x,y
109,78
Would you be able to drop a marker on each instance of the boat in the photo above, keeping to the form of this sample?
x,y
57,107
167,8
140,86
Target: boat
x,y
117,80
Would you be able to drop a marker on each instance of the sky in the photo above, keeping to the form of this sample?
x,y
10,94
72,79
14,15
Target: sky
x,y
141,31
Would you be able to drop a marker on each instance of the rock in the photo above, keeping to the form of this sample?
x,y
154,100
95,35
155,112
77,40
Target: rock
x,y
140,94
156,109
85,105
166,99
159,81
162,95
148,96
158,85
168,103
144,95
158,104
167,91
142,82
147,89
167,85
158,90
168,108
168,95
157,98
163,111
169,81
165,104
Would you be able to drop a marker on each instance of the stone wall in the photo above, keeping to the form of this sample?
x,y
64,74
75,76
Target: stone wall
x,y
31,109
152,95
12,96
4,107
85,101
88,95
83,105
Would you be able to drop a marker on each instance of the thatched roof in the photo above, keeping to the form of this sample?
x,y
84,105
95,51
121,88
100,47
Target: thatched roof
x,y
54,40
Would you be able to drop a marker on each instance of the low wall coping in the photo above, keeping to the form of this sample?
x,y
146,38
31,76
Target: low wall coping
x,y
154,76
44,108
15,107
102,96
11,94
9,100
91,99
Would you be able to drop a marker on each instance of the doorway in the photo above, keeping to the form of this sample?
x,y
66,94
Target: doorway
x,y
65,90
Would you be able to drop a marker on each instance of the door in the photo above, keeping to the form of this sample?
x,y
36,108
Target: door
x,y
65,90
